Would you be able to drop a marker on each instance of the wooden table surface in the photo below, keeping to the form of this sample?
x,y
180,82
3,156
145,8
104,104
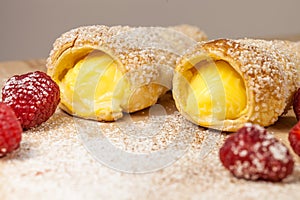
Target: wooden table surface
x,y
55,161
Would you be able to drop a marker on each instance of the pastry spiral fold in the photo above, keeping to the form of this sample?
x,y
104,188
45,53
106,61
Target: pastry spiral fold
x,y
103,71
223,84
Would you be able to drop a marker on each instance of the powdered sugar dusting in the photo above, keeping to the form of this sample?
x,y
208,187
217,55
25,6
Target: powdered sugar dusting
x,y
279,152
52,163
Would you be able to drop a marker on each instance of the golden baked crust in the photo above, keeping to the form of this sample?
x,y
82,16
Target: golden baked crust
x,y
145,55
269,70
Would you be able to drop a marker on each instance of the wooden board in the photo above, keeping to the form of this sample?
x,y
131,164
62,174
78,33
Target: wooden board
x,y
133,158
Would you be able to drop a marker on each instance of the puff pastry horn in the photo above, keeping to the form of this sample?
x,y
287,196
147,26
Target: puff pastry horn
x,y
103,71
223,84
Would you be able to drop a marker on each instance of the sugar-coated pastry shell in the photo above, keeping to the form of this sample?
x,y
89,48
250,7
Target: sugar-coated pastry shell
x,y
269,70
145,55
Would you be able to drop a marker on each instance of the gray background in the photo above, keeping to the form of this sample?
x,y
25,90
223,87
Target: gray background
x,y
29,27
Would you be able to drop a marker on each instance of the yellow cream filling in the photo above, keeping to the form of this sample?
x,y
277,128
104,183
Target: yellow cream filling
x,y
216,92
94,87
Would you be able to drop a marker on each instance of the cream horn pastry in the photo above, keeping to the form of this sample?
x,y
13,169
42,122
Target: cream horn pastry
x,y
223,84
104,71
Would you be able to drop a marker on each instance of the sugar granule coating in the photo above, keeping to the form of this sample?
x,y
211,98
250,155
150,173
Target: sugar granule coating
x,y
98,35
253,153
142,57
10,130
294,138
33,97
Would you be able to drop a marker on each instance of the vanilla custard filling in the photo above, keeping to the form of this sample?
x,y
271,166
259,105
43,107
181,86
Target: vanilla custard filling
x,y
94,87
216,92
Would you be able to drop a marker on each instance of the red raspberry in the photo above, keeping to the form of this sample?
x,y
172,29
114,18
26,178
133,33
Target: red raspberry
x,y
253,153
10,130
33,96
294,138
296,104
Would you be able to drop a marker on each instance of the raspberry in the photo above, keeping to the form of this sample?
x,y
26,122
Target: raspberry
x,y
33,96
253,153
296,104
10,130
294,138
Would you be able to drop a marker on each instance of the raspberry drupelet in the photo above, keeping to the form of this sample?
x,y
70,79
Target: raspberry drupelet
x,y
253,153
33,97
